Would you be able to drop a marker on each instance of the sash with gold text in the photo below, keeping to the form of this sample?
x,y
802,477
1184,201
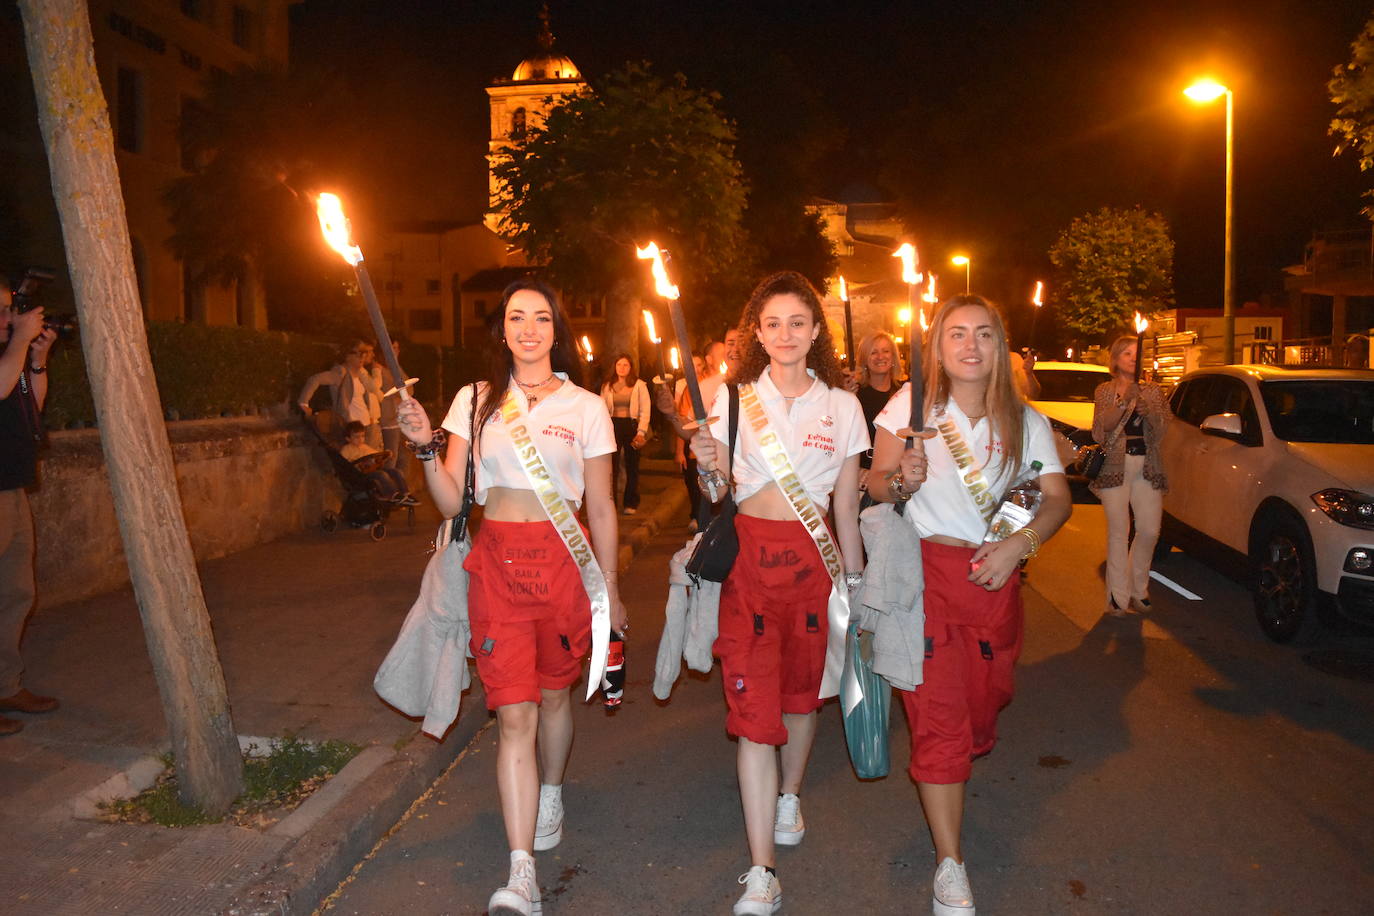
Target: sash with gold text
x,y
838,678
564,518
985,501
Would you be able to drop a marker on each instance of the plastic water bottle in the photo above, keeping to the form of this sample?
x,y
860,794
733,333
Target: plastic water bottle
x,y
1018,506
613,682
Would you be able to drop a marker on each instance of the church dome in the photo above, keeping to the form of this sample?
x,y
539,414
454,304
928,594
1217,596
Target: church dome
x,y
546,66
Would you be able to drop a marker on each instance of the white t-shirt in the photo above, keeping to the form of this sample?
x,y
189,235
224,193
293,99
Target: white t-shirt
x,y
570,426
825,426
943,504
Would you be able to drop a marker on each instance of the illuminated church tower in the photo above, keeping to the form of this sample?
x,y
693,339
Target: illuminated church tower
x,y
523,100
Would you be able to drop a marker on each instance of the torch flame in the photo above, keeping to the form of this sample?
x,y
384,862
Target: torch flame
x,y
925,325
1140,323
674,358
929,295
649,323
1039,298
909,260
662,285
844,290
587,347
336,229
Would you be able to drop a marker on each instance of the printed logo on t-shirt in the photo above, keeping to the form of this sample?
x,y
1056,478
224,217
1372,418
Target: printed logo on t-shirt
x,y
827,421
562,433
818,441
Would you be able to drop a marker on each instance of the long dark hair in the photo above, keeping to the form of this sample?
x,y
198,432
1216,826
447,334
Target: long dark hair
x,y
500,361
820,358
630,380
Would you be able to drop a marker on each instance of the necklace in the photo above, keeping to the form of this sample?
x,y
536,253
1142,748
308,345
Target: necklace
x,y
533,386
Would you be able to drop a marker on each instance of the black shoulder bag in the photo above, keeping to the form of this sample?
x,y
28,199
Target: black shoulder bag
x,y
459,531
719,544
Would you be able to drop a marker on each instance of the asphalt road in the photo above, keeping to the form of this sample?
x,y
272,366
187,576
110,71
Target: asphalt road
x,y
1176,764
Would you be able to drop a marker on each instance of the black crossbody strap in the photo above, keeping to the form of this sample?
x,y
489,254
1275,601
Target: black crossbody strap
x,y
460,524
733,424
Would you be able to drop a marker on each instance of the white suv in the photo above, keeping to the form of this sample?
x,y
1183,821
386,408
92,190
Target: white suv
x,y
1276,465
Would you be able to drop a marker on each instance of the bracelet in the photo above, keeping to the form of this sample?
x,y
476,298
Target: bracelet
x,y
430,451
712,482
1033,537
37,370
852,579
897,488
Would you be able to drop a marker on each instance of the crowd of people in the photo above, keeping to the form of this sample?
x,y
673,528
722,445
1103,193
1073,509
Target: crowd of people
x,y
796,445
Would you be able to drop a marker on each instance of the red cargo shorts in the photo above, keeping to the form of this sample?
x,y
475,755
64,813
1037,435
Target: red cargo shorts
x,y
973,638
530,616
772,628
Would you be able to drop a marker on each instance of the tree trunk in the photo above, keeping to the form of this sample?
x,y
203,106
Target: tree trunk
x,y
624,321
76,130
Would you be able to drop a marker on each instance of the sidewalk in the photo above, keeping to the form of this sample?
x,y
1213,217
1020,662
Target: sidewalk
x,y
301,625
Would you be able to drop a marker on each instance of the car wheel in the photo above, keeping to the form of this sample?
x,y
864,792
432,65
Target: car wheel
x,y
378,531
1285,581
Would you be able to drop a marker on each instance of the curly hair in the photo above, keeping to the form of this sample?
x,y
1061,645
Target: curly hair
x,y
820,358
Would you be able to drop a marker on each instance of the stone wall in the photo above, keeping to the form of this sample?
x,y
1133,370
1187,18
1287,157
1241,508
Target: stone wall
x,y
243,481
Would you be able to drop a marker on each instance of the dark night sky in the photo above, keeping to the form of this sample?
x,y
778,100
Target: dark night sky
x,y
993,123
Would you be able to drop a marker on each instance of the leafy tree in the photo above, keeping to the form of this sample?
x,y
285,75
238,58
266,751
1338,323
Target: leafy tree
x,y
1352,92
241,214
640,158
1110,264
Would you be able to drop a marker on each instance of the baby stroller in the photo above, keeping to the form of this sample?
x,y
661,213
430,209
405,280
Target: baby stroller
x,y
362,507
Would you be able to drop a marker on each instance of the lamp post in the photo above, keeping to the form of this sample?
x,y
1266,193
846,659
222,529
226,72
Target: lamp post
x,y
962,260
1203,92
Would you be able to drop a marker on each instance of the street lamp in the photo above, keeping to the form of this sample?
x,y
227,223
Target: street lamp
x,y
1203,92
962,260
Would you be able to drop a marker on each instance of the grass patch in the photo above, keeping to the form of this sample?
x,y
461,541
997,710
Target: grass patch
x,y
274,784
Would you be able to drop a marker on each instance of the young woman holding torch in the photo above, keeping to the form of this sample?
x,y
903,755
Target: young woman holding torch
x,y
542,442
783,609
985,440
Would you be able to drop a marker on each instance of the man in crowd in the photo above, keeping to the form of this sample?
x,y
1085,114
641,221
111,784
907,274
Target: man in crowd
x,y
24,347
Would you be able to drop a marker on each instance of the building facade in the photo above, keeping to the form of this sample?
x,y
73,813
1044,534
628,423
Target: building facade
x,y
153,57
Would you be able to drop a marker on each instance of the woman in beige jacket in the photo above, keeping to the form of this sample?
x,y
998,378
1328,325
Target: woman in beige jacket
x,y
1129,419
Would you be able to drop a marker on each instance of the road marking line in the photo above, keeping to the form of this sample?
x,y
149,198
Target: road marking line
x,y
1191,596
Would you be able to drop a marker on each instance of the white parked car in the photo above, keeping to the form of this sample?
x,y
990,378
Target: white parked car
x,y
1276,465
1066,397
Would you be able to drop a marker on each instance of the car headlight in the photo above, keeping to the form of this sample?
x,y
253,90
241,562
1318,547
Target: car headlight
x,y
1349,507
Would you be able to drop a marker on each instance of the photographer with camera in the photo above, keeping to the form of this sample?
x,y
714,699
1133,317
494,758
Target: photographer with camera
x,y
25,341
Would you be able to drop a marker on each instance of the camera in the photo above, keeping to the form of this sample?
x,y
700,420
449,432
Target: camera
x,y
25,296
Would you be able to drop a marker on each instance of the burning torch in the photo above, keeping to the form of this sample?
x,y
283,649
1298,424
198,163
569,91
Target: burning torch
x,y
338,232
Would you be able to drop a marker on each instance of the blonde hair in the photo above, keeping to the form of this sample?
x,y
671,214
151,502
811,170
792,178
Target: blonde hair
x,y
1005,408
1118,346
865,349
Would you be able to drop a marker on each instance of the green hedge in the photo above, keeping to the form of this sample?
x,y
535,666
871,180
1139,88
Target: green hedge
x,y
205,371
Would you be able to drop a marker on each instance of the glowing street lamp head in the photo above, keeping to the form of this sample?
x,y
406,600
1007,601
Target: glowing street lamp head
x,y
1204,91
959,260
662,285
904,316
337,231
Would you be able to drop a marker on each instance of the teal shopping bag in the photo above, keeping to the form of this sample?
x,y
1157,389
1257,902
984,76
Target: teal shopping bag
x,y
865,728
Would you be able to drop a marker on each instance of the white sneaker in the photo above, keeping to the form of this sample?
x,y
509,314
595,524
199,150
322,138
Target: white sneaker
x,y
788,826
762,893
548,829
630,510
953,897
520,896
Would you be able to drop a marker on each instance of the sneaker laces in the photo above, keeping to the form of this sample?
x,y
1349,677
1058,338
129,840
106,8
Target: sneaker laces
x,y
789,806
951,884
758,884
550,809
522,879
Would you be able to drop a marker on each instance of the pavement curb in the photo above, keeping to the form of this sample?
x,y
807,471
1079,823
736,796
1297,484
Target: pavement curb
x,y
341,829
356,809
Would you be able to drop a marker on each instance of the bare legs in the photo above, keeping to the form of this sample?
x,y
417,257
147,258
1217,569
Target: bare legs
x,y
757,766
518,765
944,807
